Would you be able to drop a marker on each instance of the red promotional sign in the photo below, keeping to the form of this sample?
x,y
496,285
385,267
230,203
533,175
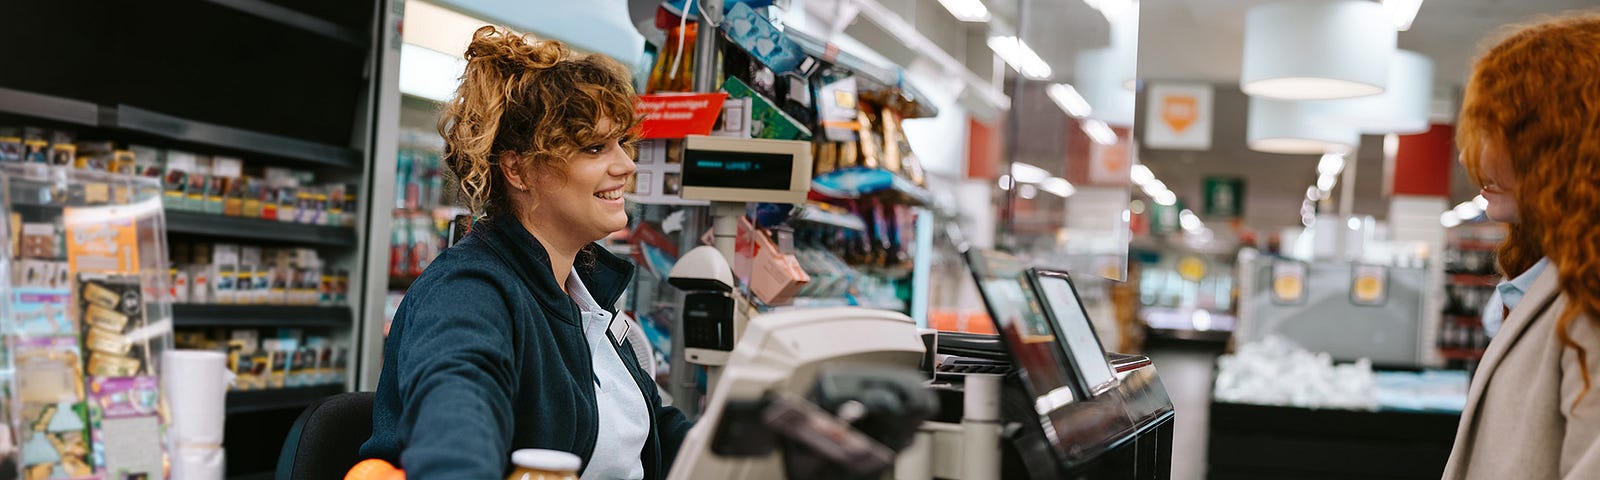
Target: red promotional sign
x,y
678,115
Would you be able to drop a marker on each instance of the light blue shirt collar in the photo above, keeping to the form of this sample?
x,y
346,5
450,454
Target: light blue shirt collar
x,y
1511,292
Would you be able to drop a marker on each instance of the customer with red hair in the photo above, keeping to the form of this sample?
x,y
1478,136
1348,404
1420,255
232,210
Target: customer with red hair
x,y
1530,135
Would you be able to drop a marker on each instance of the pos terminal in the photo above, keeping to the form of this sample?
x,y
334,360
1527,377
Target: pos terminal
x,y
1076,413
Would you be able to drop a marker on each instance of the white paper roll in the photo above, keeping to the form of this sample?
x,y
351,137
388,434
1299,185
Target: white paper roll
x,y
195,383
198,464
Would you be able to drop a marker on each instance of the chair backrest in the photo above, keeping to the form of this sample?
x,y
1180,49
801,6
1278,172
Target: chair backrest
x,y
324,442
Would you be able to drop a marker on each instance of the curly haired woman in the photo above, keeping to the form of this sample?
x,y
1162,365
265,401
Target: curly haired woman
x,y
1530,135
505,342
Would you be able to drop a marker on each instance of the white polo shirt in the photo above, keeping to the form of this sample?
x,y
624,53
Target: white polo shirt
x,y
624,420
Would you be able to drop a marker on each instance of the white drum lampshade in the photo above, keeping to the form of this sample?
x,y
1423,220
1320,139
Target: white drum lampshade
x,y
1102,75
1401,109
1279,126
1317,50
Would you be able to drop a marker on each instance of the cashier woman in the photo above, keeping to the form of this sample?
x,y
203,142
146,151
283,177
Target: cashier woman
x,y
506,341
1530,135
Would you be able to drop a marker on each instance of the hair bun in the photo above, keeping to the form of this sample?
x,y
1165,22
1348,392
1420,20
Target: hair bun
x,y
502,47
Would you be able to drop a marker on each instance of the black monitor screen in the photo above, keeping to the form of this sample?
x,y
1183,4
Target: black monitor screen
x,y
1025,328
765,171
1070,318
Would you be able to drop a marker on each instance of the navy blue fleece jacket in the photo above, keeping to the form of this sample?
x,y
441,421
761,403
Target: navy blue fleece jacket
x,y
486,355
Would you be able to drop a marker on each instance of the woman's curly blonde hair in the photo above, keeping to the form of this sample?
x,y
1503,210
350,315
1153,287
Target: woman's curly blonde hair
x,y
1535,95
532,102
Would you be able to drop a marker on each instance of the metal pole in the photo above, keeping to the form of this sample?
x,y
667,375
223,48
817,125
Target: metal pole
x,y
684,388
1013,119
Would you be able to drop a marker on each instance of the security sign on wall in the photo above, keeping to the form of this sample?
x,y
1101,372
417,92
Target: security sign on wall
x,y
1178,116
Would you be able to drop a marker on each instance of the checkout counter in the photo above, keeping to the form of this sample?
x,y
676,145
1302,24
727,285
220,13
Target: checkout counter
x,y
849,393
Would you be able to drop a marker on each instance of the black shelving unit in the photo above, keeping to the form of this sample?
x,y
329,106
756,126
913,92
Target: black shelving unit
x,y
127,118
246,401
142,124
244,316
18,102
258,230
298,93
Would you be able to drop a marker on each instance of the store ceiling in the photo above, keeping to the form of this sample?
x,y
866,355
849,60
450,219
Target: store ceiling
x,y
1203,39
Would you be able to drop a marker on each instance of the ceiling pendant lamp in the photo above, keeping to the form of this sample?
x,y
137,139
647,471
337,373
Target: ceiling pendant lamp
x,y
1401,109
1279,126
1317,50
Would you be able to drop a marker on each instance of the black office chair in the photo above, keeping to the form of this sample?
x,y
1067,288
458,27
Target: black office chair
x,y
325,440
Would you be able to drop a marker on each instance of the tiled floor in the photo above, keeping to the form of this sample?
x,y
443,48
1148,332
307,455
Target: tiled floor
x,y
1186,373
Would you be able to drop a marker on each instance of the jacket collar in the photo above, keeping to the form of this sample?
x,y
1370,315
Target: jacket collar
x,y
606,277
1539,298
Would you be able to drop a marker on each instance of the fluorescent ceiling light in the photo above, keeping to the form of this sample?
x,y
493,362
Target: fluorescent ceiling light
x,y
439,29
1331,164
1467,210
1403,12
1154,187
1058,186
1167,198
1482,203
1005,182
1449,219
967,10
1069,100
1326,182
1027,191
1028,173
1100,132
429,74
1188,220
1141,175
1313,194
1017,54
1354,223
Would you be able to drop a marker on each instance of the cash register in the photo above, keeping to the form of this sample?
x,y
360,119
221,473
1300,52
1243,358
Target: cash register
x,y
857,393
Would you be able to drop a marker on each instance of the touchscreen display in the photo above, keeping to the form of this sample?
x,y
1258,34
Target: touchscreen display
x,y
1073,323
1025,329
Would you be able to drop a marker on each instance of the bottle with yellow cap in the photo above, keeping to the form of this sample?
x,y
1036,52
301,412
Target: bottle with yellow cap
x,y
539,464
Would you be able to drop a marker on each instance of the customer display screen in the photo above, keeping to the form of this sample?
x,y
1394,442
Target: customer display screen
x,y
1070,318
1024,327
765,171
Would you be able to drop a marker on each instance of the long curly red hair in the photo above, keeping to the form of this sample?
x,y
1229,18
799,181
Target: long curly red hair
x,y
1535,96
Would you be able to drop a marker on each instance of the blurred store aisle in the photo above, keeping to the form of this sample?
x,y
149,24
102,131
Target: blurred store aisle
x,y
1186,372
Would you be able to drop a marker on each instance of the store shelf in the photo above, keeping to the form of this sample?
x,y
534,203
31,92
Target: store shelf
x,y
270,11
192,315
1474,279
1461,353
824,217
18,102
858,182
255,229
1477,245
1465,320
244,401
131,119
134,119
401,282
888,76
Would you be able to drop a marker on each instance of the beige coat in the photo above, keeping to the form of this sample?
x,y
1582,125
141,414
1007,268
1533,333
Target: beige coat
x,y
1519,421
